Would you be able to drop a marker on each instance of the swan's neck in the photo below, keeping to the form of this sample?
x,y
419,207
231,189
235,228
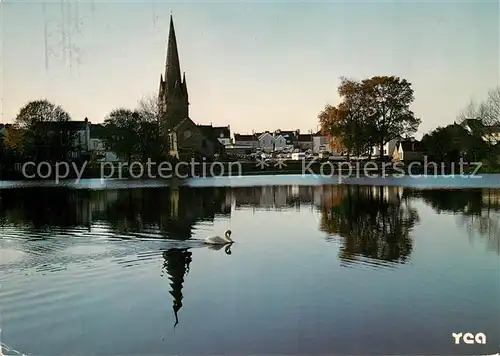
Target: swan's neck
x,y
228,238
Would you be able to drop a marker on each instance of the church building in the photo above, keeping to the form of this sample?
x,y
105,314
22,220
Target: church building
x,y
184,139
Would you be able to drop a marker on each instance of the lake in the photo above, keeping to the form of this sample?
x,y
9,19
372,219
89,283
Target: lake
x,y
317,268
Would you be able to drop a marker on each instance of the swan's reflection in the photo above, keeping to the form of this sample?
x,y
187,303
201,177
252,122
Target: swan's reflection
x,y
176,265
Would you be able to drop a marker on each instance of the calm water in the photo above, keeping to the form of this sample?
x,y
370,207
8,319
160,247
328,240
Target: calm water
x,y
324,269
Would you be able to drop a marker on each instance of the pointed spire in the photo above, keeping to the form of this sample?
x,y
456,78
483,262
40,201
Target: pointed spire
x,y
184,85
172,66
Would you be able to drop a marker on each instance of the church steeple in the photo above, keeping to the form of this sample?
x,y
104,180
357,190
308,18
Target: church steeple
x,y
172,66
184,86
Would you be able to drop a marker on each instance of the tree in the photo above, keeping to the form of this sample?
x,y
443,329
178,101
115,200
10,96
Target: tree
x,y
387,101
371,223
121,127
453,142
372,111
483,120
331,120
149,108
45,135
345,123
149,111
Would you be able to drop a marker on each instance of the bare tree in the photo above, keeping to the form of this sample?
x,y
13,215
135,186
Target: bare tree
x,y
149,108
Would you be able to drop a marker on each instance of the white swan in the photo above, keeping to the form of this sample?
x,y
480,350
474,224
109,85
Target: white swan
x,y
217,240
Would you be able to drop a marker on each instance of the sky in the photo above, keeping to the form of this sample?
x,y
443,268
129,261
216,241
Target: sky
x,y
253,65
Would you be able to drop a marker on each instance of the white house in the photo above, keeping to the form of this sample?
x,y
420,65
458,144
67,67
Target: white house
x,y
280,142
388,148
266,141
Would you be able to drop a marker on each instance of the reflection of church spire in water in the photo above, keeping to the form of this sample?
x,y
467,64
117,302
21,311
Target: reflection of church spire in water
x,y
177,266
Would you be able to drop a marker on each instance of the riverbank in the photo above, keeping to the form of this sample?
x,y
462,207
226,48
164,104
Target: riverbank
x,y
184,170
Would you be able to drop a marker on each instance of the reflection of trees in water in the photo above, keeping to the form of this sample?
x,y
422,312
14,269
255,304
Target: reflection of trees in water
x,y
478,210
273,197
43,208
169,212
372,223
176,266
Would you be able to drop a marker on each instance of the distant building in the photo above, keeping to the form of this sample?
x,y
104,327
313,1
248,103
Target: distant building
x,y
388,148
184,138
305,141
408,150
223,134
321,143
75,133
99,150
250,141
489,133
266,141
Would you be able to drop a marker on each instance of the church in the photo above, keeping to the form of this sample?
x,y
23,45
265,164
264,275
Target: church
x,y
184,139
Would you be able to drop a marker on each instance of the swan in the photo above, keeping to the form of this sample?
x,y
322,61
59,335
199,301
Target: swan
x,y
217,240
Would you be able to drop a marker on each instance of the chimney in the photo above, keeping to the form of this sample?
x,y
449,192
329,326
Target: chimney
x,y
86,120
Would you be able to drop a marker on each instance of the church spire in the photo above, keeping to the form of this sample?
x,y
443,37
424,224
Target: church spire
x,y
184,85
172,67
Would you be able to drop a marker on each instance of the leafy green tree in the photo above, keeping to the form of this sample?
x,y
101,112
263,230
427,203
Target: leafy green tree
x,y
387,101
450,143
121,129
45,133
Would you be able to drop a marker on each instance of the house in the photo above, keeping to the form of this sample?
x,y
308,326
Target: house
x,y
305,141
489,133
290,137
250,141
408,150
223,134
388,148
76,133
280,142
266,141
321,143
97,146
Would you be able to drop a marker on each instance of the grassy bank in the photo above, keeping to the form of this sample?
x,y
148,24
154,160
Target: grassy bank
x,y
217,169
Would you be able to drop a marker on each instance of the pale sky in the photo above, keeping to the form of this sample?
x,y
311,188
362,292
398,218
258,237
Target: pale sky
x,y
252,65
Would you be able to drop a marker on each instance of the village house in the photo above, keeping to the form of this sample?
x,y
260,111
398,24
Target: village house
x,y
388,148
266,141
305,141
223,134
489,133
249,141
408,150
280,142
321,143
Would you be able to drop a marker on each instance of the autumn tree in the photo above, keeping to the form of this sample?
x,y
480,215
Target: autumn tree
x,y
387,101
346,123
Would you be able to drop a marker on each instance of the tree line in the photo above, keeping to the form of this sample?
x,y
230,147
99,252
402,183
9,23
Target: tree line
x,y
375,110
42,132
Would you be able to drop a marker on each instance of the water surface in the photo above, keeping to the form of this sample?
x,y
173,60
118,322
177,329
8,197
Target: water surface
x,y
316,269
